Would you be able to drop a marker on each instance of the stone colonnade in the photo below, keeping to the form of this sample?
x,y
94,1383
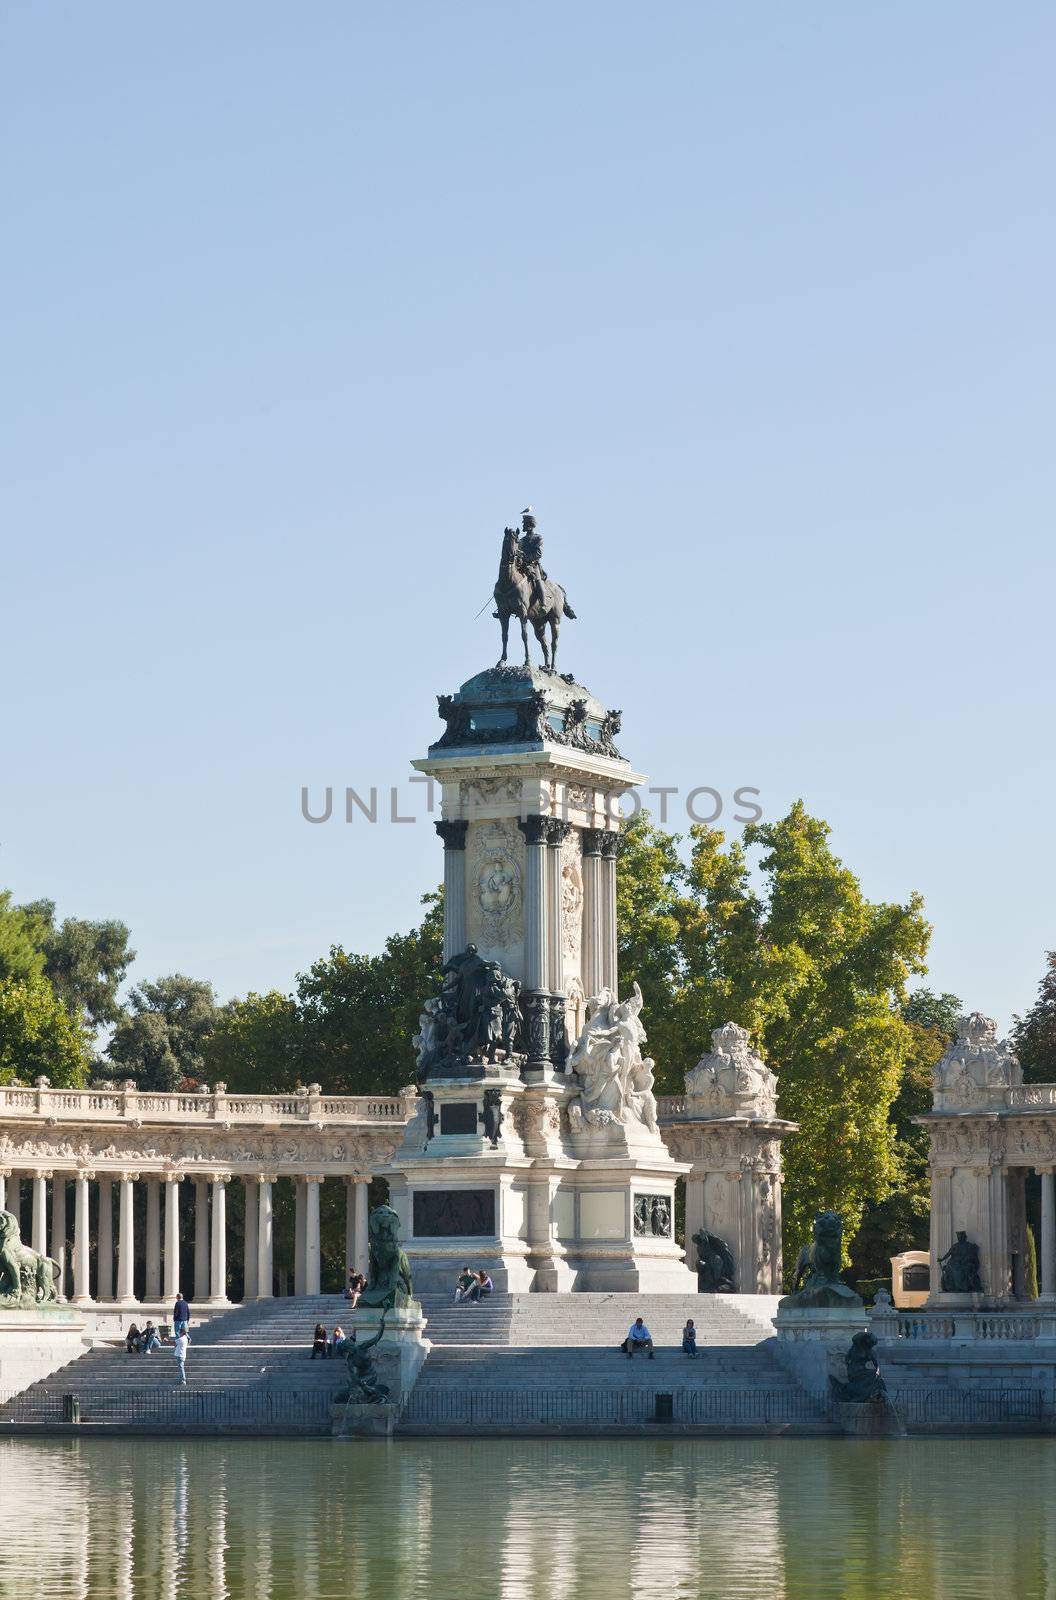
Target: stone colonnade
x,y
136,1162
145,1246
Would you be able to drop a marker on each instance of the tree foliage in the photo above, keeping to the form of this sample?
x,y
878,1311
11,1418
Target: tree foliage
x,y
85,962
788,946
1034,1036
39,1036
20,953
160,1041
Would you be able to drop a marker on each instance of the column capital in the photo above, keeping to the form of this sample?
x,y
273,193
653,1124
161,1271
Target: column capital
x,y
5,1173
266,1177
218,1177
87,1173
453,832
312,1177
40,1172
534,828
557,831
128,1177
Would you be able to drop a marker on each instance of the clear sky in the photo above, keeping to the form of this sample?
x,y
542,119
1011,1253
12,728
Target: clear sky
x,y
302,303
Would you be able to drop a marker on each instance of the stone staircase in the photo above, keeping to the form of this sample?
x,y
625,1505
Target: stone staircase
x,y
526,1360
552,1342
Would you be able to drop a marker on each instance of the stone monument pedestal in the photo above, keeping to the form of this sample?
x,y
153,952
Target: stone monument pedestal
x,y
812,1341
402,1349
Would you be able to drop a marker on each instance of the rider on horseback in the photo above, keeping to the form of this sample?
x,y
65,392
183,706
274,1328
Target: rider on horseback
x,y
530,555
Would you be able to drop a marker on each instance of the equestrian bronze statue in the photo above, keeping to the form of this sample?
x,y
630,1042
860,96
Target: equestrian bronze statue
x,y
524,591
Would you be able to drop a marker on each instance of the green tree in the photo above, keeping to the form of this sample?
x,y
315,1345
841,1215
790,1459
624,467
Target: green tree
x,y
39,1036
1034,1036
20,952
85,962
160,1040
790,947
900,1220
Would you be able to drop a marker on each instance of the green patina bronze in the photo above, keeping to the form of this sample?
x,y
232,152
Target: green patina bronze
x,y
864,1383
362,1373
27,1279
389,1270
816,1283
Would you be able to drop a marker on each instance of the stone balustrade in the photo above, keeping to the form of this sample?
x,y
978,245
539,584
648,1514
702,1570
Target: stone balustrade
x,y
130,1105
964,1325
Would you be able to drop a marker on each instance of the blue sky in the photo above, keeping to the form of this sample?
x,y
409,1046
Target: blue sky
x,y
301,304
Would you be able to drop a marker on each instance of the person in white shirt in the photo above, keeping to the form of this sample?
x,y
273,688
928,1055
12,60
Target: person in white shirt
x,y
638,1338
182,1341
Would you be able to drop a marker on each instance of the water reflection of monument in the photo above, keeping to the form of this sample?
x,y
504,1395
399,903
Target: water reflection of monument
x,y
549,1520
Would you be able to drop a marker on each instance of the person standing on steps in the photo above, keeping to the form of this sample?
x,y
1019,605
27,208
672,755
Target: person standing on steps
x,y
182,1341
181,1316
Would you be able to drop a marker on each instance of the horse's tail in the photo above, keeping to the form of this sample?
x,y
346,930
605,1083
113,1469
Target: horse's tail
x,y
569,613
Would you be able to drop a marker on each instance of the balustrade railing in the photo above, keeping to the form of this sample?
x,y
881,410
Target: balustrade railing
x,y
42,1103
965,1325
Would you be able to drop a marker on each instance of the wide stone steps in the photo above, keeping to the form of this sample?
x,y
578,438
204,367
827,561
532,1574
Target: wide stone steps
x,y
533,1368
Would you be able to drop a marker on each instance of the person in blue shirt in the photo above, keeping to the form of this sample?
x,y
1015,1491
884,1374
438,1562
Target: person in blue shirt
x,y
638,1338
181,1316
689,1338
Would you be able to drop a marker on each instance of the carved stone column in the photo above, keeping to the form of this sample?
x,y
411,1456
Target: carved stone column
x,y
1048,1233
250,1240
362,1245
172,1236
104,1273
536,955
355,1226
40,1212
454,836
82,1289
299,1234
58,1229
265,1264
607,874
152,1277
312,1261
201,1239
218,1263
126,1242
556,834
5,1173
592,908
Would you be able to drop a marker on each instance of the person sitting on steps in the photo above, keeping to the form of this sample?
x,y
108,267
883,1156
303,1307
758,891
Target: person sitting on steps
x,y
463,1283
319,1342
689,1338
638,1338
480,1286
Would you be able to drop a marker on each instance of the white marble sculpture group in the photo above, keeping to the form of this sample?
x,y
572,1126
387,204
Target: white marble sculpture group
x,y
607,1057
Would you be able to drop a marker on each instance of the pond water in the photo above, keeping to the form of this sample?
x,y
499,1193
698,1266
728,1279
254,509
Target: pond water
x,y
789,1519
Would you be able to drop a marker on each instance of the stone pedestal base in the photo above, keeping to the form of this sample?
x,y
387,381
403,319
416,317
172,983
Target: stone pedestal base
x,y
36,1343
870,1419
365,1421
811,1343
402,1349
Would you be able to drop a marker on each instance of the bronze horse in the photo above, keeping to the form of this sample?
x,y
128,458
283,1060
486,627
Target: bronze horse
x,y
515,596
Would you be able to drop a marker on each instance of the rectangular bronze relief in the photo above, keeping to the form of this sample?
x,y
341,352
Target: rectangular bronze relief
x,y
454,1213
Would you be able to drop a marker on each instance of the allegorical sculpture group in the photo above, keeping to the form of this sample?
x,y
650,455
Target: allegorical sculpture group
x,y
475,1019
389,1287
